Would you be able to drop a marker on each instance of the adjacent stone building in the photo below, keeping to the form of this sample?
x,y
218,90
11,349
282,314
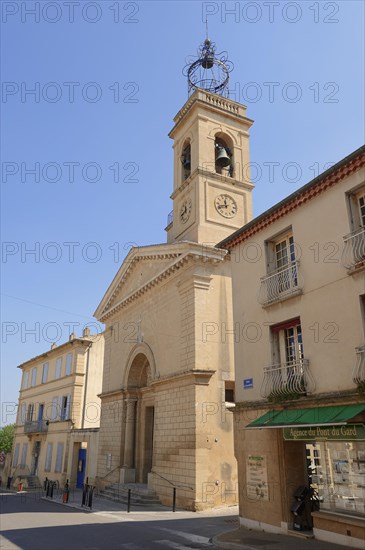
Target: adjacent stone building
x,y
58,416
299,278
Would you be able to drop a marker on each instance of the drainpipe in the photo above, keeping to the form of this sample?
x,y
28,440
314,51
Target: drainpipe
x,y
85,386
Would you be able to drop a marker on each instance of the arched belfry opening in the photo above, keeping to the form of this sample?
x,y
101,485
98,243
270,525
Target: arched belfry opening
x,y
223,155
186,160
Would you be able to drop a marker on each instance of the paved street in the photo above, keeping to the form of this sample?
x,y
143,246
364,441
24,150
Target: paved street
x,y
29,523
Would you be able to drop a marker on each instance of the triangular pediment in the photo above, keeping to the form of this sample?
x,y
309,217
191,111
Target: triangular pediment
x,y
140,266
146,266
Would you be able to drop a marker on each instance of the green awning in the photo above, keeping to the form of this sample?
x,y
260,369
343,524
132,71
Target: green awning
x,y
338,414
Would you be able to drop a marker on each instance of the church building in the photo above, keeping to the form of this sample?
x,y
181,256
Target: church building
x,y
168,391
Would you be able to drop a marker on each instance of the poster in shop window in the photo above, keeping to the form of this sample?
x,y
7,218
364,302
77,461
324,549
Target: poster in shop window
x,y
256,476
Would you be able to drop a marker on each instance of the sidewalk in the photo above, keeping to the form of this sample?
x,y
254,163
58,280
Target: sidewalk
x,y
245,539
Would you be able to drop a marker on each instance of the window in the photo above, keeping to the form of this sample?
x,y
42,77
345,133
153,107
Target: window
x,y
356,208
40,411
282,279
289,373
287,342
55,409
44,373
59,457
48,462
25,379
362,210
68,364
22,413
34,376
30,412
24,453
65,407
58,367
16,455
229,391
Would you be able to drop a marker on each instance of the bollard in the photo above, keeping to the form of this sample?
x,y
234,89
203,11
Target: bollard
x,y
91,492
129,501
174,500
8,484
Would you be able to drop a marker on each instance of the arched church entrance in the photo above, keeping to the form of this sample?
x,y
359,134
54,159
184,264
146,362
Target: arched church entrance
x,y
138,419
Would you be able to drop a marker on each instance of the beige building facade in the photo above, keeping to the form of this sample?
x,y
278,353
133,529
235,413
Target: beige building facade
x,y
299,285
166,393
58,418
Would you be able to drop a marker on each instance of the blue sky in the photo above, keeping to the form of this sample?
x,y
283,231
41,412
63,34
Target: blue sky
x,y
108,81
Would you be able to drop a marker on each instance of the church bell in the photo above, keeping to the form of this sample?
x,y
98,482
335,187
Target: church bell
x,y
222,159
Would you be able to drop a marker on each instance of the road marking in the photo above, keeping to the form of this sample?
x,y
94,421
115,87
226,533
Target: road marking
x,y
188,536
174,545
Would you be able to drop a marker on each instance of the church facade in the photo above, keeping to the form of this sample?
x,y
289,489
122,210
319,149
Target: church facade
x,y
167,391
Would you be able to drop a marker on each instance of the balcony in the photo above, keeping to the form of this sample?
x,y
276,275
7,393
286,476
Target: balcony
x,y
358,374
35,426
280,284
287,380
353,254
170,218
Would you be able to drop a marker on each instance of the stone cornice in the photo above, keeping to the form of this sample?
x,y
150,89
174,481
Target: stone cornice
x,y
200,376
213,102
329,398
214,177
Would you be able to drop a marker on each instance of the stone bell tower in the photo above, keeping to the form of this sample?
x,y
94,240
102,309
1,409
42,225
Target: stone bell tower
x,y
212,185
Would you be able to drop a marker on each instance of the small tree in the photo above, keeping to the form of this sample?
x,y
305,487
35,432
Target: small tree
x,y
6,438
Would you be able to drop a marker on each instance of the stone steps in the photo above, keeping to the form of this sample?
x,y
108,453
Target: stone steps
x,y
140,494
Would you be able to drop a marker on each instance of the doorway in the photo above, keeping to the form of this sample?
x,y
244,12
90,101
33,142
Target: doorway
x,y
81,468
148,442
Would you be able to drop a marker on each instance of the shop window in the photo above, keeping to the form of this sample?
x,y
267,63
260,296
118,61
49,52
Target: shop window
x,y
336,474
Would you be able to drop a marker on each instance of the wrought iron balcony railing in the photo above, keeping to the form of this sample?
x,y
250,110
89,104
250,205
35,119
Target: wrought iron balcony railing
x,y
287,380
35,426
170,217
358,374
353,254
280,284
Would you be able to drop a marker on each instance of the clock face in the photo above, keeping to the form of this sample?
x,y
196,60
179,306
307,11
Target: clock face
x,y
226,206
185,210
